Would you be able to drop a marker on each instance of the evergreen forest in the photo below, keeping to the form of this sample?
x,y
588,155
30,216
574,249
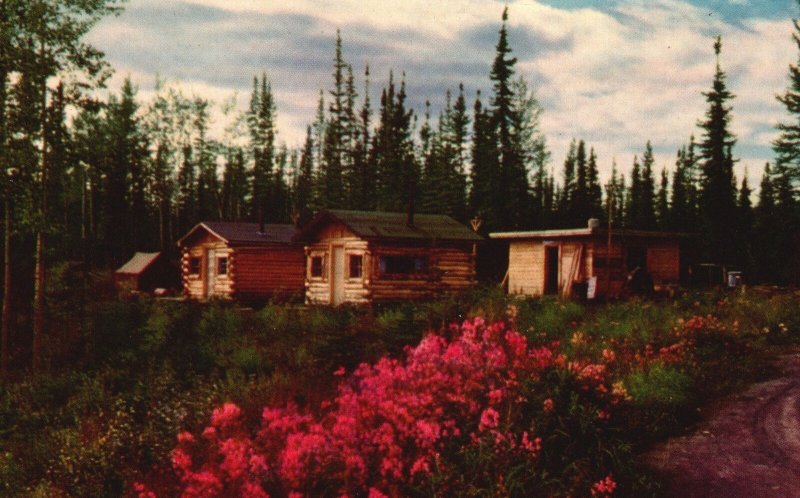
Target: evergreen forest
x,y
90,175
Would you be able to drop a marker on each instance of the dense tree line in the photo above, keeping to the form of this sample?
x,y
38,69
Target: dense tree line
x,y
122,175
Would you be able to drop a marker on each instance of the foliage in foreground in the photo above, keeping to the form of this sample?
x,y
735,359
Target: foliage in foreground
x,y
466,415
137,373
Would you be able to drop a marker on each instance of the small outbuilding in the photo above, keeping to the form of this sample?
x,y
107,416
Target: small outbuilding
x,y
146,272
248,262
374,257
590,262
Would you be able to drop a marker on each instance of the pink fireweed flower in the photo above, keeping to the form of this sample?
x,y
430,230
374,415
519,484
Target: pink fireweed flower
x,y
604,487
142,491
181,460
339,372
185,437
547,405
226,416
489,419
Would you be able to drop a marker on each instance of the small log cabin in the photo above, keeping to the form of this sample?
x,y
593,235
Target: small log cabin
x,y
146,272
244,261
577,262
374,257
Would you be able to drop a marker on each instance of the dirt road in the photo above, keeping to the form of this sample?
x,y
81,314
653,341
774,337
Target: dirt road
x,y
748,446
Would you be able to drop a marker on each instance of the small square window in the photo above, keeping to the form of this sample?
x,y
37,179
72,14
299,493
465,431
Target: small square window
x,y
194,266
356,263
316,266
222,266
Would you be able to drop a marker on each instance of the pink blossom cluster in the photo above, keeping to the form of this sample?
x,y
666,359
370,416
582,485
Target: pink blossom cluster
x,y
396,425
604,487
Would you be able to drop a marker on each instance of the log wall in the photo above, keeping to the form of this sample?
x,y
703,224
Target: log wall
x,y
194,284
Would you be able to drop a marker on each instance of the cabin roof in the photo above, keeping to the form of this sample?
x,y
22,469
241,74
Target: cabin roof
x,y
585,232
138,263
384,225
235,233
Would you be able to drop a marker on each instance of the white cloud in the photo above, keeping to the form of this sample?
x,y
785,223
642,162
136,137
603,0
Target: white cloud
x,y
617,78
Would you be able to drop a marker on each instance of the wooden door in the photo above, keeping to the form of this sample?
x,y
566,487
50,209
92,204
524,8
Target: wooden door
x,y
551,269
210,272
337,276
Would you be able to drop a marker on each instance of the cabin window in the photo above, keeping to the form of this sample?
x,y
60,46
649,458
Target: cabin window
x,y
402,265
194,266
316,266
356,265
222,266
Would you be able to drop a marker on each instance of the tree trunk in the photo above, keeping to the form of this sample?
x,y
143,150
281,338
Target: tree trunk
x,y
39,273
5,322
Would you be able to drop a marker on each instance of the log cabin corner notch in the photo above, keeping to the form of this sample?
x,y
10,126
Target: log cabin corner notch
x,y
560,262
369,257
232,260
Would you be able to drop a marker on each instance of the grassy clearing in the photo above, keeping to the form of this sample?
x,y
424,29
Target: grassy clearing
x,y
141,371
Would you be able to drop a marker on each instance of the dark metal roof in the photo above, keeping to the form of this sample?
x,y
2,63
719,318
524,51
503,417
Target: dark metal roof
x,y
244,233
383,225
584,232
138,263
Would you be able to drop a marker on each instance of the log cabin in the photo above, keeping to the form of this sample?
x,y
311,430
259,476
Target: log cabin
x,y
248,262
578,262
377,257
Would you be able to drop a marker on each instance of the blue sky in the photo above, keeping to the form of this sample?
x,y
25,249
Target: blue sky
x,y
615,73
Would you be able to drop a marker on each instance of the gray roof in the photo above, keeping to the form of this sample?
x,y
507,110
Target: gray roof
x,y
383,225
235,233
138,263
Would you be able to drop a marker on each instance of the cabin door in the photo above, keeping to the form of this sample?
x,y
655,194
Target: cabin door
x,y
551,269
210,273
337,276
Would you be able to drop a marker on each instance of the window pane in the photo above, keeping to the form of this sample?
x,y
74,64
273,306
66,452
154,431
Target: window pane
x,y
194,266
316,266
222,266
402,265
355,266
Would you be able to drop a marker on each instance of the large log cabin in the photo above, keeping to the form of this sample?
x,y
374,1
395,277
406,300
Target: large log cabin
x,y
577,262
248,262
374,257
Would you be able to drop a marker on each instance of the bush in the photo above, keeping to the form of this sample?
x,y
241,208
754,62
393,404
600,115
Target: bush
x,y
452,417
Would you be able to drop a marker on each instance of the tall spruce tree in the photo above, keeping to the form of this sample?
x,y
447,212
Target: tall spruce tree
x,y
647,206
484,167
787,145
633,200
768,233
396,166
335,150
662,202
511,197
718,196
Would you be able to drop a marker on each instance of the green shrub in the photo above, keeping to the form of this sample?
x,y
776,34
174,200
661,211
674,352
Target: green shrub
x,y
660,385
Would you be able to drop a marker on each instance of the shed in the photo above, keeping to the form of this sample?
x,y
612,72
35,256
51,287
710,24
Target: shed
x,y
373,257
242,261
145,272
578,261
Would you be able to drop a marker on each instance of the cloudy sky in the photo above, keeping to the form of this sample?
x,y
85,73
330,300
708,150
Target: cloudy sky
x,y
615,73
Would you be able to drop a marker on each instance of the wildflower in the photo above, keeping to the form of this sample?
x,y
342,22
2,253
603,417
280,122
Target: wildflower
x,y
548,405
185,437
142,491
225,416
489,419
339,372
604,487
